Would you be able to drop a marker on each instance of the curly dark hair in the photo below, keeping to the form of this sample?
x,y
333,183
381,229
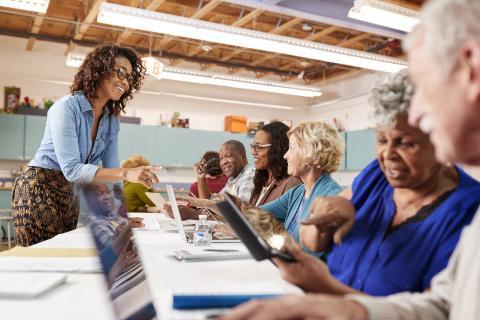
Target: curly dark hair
x,y
277,164
98,65
212,163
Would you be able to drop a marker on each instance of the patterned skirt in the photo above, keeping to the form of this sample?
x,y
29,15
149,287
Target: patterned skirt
x,y
43,205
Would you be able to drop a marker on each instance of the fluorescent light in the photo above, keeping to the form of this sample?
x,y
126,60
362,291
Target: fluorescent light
x,y
239,102
157,22
29,5
156,68
384,14
74,60
239,82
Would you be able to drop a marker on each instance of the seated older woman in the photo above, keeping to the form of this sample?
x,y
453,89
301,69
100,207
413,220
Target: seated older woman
x,y
314,152
409,211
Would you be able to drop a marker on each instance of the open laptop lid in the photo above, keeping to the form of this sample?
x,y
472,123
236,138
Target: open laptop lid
x,y
176,212
122,267
258,247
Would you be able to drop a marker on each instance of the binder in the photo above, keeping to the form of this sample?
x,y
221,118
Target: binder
x,y
209,301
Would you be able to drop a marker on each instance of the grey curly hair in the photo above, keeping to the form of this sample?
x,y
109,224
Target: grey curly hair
x,y
391,98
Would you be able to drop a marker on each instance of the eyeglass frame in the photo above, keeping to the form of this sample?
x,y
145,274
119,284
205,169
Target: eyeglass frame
x,y
127,76
259,147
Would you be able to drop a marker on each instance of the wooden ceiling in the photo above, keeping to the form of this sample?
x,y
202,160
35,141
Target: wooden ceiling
x,y
74,22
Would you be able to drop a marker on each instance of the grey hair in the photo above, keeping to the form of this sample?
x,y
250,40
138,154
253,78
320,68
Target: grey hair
x,y
445,26
391,98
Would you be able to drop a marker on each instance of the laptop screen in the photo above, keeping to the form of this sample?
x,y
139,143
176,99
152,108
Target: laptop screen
x,y
106,216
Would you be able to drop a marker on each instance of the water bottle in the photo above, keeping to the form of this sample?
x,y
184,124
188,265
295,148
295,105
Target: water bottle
x,y
202,235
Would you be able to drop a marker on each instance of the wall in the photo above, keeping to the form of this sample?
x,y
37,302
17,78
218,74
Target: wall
x,y
42,73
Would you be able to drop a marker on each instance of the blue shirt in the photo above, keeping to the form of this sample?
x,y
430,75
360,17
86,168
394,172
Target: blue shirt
x,y
67,140
286,207
379,262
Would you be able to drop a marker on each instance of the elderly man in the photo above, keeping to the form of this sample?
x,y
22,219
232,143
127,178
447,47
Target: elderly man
x,y
444,59
234,165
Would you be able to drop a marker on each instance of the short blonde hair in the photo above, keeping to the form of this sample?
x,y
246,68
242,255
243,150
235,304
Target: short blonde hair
x,y
319,144
135,161
264,223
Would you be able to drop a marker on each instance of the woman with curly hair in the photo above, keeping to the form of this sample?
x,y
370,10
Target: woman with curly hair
x,y
81,131
408,211
271,176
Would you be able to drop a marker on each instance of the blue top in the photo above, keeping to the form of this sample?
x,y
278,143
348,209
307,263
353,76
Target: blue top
x,y
379,262
292,206
67,140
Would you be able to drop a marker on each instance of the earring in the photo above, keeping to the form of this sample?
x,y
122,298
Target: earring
x,y
308,166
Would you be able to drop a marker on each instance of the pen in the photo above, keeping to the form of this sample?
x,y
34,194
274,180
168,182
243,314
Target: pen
x,y
221,250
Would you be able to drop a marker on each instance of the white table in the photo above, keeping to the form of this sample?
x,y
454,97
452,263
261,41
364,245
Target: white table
x,y
85,296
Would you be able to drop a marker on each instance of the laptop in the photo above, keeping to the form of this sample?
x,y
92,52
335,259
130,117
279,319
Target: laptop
x,y
258,247
187,236
121,264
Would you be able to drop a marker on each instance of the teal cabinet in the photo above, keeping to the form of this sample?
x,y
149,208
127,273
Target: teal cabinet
x,y
12,136
342,165
34,131
360,148
166,146
136,139
5,199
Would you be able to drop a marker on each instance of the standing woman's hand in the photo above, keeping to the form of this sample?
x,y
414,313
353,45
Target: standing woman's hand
x,y
145,175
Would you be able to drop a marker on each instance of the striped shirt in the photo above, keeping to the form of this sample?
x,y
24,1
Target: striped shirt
x,y
241,186
454,294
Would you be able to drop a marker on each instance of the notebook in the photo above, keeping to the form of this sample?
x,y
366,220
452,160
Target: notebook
x,y
14,285
187,236
121,264
211,255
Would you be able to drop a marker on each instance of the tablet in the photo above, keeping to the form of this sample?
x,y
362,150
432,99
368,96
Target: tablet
x,y
258,247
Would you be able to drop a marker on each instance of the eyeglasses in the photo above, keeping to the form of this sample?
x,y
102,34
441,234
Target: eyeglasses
x,y
122,74
259,147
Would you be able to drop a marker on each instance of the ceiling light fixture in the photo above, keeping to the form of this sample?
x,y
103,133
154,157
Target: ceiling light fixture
x,y
158,70
224,80
28,5
134,18
384,14
206,47
307,27
154,67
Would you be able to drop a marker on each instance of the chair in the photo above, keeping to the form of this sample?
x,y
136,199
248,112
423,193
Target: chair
x,y
9,219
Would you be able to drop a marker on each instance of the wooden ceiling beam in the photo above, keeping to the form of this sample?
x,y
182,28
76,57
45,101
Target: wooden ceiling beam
x,y
247,18
353,40
153,6
37,23
277,30
92,14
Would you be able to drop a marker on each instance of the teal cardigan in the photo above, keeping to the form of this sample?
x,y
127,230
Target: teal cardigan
x,y
285,207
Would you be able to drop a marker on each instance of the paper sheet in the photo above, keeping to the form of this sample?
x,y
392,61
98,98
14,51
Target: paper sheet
x,y
49,252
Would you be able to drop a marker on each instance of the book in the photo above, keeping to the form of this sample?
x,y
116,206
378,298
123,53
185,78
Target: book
x,y
211,255
209,301
28,285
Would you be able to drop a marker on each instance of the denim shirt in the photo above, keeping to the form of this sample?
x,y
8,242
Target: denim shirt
x,y
67,140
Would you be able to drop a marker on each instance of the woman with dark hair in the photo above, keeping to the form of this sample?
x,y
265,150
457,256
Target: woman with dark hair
x,y
81,131
271,177
208,167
